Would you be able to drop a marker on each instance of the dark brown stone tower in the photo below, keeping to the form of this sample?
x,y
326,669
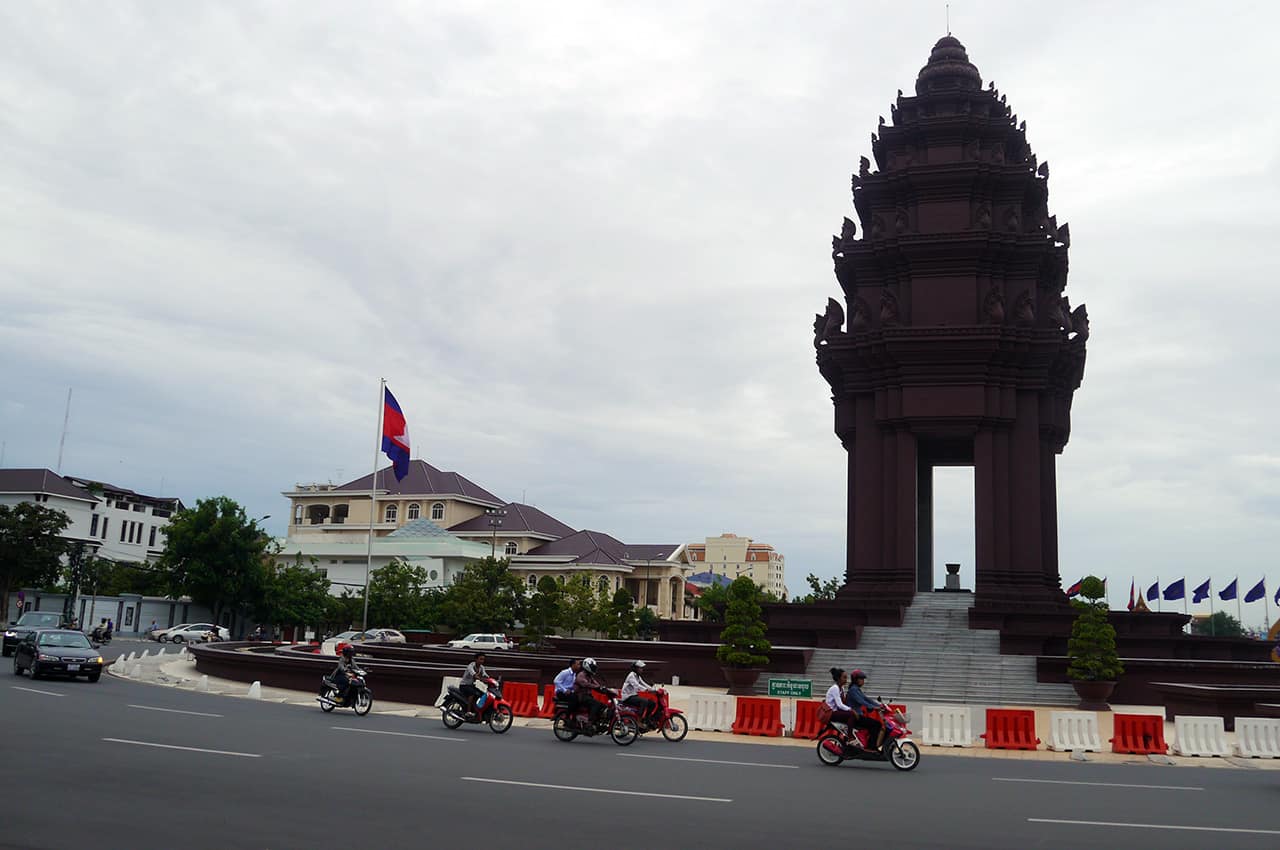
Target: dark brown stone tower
x,y
960,347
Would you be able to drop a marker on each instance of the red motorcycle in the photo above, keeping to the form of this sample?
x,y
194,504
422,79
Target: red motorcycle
x,y
570,722
836,743
491,708
670,720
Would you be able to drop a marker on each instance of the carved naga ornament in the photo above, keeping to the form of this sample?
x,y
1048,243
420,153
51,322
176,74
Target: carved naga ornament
x,y
826,326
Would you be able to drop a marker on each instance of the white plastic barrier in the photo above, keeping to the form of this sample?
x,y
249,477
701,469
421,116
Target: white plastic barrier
x,y
1258,737
1074,730
712,712
947,726
255,691
1200,736
445,684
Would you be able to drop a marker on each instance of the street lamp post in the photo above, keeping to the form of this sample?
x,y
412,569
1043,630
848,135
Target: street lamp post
x,y
495,521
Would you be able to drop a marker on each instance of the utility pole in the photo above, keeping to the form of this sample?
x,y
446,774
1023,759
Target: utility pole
x,y
495,520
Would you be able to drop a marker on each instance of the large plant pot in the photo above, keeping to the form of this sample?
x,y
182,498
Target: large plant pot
x,y
1093,695
741,680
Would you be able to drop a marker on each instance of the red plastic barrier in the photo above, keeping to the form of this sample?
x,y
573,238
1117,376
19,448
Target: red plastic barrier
x,y
758,716
807,723
1139,733
548,709
523,697
1011,729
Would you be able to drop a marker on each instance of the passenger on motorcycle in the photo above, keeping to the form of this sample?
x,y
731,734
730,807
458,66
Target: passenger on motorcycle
x,y
631,686
475,670
585,684
346,668
564,682
857,699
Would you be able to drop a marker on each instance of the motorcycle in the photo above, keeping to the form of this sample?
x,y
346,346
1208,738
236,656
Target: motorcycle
x,y
836,743
670,720
359,695
491,708
571,720
100,635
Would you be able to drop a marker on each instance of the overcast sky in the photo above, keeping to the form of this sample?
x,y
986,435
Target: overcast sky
x,y
584,243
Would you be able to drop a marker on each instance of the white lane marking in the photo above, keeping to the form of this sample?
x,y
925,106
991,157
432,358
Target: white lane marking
x,y
1157,826
187,749
401,734
37,691
1100,784
175,711
709,761
598,790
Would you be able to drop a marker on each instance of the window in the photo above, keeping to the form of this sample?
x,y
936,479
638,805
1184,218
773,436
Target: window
x,y
324,571
93,526
124,506
297,515
413,512
434,575
340,513
139,508
42,497
512,548
533,582
390,514
437,510
604,584
128,616
124,528
105,520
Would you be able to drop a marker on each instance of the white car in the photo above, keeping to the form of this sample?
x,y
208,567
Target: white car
x,y
481,642
193,633
382,635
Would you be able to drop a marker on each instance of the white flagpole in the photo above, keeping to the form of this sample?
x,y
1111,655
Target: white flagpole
x,y
1239,613
1266,609
373,502
1211,630
1159,596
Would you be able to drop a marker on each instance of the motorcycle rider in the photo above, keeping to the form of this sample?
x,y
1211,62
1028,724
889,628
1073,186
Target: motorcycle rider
x,y
585,684
564,683
840,713
631,686
346,669
857,699
475,670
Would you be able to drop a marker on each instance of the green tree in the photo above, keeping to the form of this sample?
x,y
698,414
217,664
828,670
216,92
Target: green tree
x,y
1091,650
215,554
578,604
646,622
342,612
1220,624
544,610
292,595
742,643
819,589
398,596
712,601
30,546
487,597
617,614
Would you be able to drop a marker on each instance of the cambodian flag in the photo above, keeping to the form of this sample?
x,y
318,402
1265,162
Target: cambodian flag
x,y
1074,590
395,435
1201,593
1132,587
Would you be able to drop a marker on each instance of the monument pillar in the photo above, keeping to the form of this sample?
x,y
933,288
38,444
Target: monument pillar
x,y
959,346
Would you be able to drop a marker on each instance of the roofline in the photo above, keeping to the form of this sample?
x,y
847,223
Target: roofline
x,y
90,498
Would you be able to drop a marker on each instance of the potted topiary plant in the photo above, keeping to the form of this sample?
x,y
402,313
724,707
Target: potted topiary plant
x,y
743,651
1093,663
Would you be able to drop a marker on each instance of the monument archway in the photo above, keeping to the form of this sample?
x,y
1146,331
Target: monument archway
x,y
960,347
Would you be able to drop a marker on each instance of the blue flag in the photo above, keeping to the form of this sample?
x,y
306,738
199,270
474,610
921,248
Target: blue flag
x,y
1229,592
1153,592
1259,591
1177,590
1277,596
1201,593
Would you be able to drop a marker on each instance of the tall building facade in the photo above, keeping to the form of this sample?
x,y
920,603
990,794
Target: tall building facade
x,y
732,556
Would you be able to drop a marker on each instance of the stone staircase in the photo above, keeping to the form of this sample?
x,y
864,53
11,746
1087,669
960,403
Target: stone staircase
x,y
935,657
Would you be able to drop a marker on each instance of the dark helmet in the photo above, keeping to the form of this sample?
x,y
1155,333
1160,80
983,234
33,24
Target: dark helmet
x,y
348,651
836,673
857,674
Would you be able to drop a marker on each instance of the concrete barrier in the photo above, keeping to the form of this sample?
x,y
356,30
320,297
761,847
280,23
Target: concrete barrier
x,y
1071,731
445,684
203,684
947,726
711,712
1258,737
1200,736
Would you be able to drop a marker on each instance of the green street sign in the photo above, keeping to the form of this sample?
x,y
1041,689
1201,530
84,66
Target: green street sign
x,y
790,688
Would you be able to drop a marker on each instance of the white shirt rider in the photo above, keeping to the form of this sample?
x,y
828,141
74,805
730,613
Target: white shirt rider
x,y
633,684
833,699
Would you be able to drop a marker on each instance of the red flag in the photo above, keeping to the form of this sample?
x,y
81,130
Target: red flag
x,y
1131,600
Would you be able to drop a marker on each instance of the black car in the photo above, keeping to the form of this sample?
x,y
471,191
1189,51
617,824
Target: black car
x,y
58,652
27,624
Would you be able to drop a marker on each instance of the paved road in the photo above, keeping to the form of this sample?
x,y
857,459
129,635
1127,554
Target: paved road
x,y
263,775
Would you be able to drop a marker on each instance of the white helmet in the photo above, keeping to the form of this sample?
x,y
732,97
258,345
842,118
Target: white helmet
x,y
589,664
639,665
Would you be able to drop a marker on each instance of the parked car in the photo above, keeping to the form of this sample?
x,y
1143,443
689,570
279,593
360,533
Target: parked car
x,y
481,642
57,652
193,633
26,625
